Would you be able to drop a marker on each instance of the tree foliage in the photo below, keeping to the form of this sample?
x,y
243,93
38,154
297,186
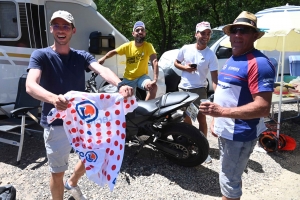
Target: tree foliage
x,y
171,23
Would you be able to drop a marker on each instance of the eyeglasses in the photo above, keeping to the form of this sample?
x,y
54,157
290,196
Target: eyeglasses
x,y
241,30
57,27
139,29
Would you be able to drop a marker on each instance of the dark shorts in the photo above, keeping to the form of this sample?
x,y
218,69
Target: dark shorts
x,y
200,91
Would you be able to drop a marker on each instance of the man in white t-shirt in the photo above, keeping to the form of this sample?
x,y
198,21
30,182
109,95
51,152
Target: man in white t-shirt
x,y
195,61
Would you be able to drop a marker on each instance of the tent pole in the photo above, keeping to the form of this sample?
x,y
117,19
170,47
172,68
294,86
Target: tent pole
x,y
281,87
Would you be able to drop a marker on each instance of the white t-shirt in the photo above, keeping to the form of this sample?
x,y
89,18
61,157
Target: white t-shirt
x,y
206,61
95,126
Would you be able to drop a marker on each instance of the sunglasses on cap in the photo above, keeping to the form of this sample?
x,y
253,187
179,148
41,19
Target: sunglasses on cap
x,y
241,30
139,29
57,27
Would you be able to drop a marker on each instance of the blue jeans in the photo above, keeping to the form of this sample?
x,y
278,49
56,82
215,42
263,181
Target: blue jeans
x,y
234,156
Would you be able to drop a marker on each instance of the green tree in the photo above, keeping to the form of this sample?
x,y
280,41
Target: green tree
x,y
171,23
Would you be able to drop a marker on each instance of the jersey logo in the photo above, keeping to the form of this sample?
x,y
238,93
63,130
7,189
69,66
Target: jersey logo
x,y
87,111
91,156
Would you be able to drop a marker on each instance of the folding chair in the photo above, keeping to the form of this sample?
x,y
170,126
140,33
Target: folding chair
x,y
23,115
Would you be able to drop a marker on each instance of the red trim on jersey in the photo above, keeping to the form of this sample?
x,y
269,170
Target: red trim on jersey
x,y
252,74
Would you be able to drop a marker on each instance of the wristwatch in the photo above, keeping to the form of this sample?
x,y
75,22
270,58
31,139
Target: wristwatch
x,y
120,84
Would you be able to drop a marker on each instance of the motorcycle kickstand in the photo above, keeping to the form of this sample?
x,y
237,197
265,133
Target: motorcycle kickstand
x,y
141,145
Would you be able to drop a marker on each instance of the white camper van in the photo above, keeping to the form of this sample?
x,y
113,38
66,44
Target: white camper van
x,y
24,27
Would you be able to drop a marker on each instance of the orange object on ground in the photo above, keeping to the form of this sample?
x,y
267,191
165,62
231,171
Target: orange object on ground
x,y
270,143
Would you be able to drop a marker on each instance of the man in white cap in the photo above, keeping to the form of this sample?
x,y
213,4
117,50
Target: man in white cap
x,y
241,101
138,53
195,61
52,72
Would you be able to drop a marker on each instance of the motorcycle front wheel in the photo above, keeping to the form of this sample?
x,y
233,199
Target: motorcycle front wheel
x,y
188,140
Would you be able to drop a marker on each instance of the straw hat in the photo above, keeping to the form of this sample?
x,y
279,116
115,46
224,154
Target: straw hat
x,y
246,19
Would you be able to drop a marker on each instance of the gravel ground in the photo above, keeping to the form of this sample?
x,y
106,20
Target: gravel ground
x,y
269,176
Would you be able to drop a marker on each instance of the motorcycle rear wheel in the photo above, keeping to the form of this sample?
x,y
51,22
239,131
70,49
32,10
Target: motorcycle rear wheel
x,y
191,142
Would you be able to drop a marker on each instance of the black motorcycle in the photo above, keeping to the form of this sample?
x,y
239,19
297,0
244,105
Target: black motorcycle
x,y
158,123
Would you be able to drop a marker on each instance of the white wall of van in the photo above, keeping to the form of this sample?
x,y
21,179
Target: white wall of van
x,y
24,27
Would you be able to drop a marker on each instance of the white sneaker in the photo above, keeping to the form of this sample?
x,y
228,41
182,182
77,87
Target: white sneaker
x,y
76,193
208,159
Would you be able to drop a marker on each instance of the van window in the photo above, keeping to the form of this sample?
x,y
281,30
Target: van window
x,y
8,20
216,35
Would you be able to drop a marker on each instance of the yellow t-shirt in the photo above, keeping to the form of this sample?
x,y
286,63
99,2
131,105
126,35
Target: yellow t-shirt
x,y
137,59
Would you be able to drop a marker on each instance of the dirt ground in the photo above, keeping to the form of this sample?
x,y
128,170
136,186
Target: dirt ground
x,y
269,176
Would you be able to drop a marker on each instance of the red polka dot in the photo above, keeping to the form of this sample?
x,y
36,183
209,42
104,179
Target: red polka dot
x,y
89,147
108,140
80,122
127,106
107,96
68,122
77,139
98,133
125,100
107,150
108,132
81,131
75,119
72,99
73,140
73,130
108,124
89,140
101,96
116,143
82,139
104,173
98,125
87,168
108,177
57,115
118,157
118,132
89,125
118,122
117,112
121,146
124,124
98,142
118,103
77,144
83,146
69,105
132,102
123,135
107,113
113,167
112,152
73,111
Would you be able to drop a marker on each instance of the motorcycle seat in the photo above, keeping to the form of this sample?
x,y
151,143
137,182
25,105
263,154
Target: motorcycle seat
x,y
169,99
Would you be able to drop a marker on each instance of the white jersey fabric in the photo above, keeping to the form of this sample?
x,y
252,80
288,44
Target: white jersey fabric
x,y
206,61
95,126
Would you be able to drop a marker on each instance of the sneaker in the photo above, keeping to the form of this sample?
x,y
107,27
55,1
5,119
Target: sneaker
x,y
75,192
208,159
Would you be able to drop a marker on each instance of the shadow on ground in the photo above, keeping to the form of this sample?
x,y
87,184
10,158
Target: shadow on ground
x,y
33,152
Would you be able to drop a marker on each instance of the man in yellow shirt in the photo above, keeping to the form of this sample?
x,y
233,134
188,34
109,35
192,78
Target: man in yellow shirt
x,y
138,53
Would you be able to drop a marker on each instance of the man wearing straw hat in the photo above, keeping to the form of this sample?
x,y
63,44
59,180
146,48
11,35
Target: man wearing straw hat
x,y
242,98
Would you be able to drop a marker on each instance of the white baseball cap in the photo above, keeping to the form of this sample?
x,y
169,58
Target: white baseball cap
x,y
202,26
63,15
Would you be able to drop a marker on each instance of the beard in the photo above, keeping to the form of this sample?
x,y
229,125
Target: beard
x,y
139,39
